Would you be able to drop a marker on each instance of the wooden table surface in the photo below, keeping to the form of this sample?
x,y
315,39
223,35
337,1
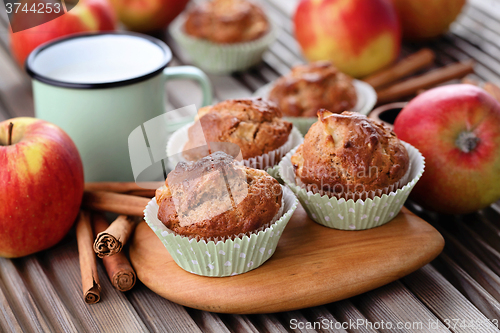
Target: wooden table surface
x,y
458,292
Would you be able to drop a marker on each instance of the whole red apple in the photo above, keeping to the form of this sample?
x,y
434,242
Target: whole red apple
x,y
148,15
41,186
86,16
457,129
424,19
358,36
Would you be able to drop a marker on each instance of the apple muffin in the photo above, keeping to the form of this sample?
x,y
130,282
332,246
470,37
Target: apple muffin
x,y
226,21
348,155
253,125
213,198
308,88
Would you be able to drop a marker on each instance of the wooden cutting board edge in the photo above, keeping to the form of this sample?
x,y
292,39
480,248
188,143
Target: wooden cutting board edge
x,y
280,284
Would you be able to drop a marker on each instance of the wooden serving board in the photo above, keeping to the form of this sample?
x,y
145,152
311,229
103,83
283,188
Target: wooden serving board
x,y
312,265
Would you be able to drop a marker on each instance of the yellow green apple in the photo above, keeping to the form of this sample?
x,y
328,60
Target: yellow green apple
x,y
41,185
425,19
148,15
358,36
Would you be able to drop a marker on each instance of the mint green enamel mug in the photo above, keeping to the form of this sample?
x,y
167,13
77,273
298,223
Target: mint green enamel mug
x,y
99,88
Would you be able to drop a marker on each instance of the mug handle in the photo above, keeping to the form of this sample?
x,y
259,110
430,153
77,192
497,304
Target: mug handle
x,y
193,73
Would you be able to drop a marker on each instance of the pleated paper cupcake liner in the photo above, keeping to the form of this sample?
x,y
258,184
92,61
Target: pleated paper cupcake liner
x,y
349,214
222,58
358,195
367,98
268,162
222,258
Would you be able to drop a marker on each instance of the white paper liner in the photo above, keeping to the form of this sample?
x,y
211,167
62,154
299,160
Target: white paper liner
x,y
180,137
349,214
222,258
222,58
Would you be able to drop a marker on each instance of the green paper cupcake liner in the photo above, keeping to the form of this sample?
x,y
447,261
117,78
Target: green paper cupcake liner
x,y
222,58
348,214
222,258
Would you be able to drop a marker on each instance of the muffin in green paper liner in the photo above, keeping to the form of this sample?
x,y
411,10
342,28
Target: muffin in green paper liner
x,y
220,234
224,36
349,214
253,128
351,172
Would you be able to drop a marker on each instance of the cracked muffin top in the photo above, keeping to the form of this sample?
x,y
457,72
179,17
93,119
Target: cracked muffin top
x,y
226,21
254,125
213,198
349,152
308,88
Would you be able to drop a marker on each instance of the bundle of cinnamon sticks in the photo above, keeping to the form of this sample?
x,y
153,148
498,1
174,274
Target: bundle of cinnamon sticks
x,y
97,238
388,82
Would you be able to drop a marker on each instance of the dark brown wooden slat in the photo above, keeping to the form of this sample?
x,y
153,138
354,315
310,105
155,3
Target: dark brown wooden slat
x,y
8,321
239,323
322,315
15,88
490,7
472,264
446,302
22,301
208,321
159,314
396,304
346,312
482,20
113,313
485,32
469,287
47,298
4,29
295,321
480,248
269,323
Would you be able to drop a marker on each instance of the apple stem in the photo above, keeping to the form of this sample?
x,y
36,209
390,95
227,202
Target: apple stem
x,y
11,127
467,141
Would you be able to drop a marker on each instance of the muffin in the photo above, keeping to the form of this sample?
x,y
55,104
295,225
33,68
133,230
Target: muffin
x,y
213,198
351,173
349,154
254,125
308,88
224,36
226,21
217,218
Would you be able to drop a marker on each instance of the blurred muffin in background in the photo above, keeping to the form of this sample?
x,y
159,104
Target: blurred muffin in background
x,y
310,87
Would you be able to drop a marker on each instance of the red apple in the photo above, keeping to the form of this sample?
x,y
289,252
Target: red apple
x,y
424,19
86,16
41,186
148,15
457,129
358,36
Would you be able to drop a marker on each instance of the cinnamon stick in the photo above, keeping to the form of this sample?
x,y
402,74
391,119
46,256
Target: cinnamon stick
x,y
403,68
115,203
143,189
427,80
120,272
111,240
88,263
